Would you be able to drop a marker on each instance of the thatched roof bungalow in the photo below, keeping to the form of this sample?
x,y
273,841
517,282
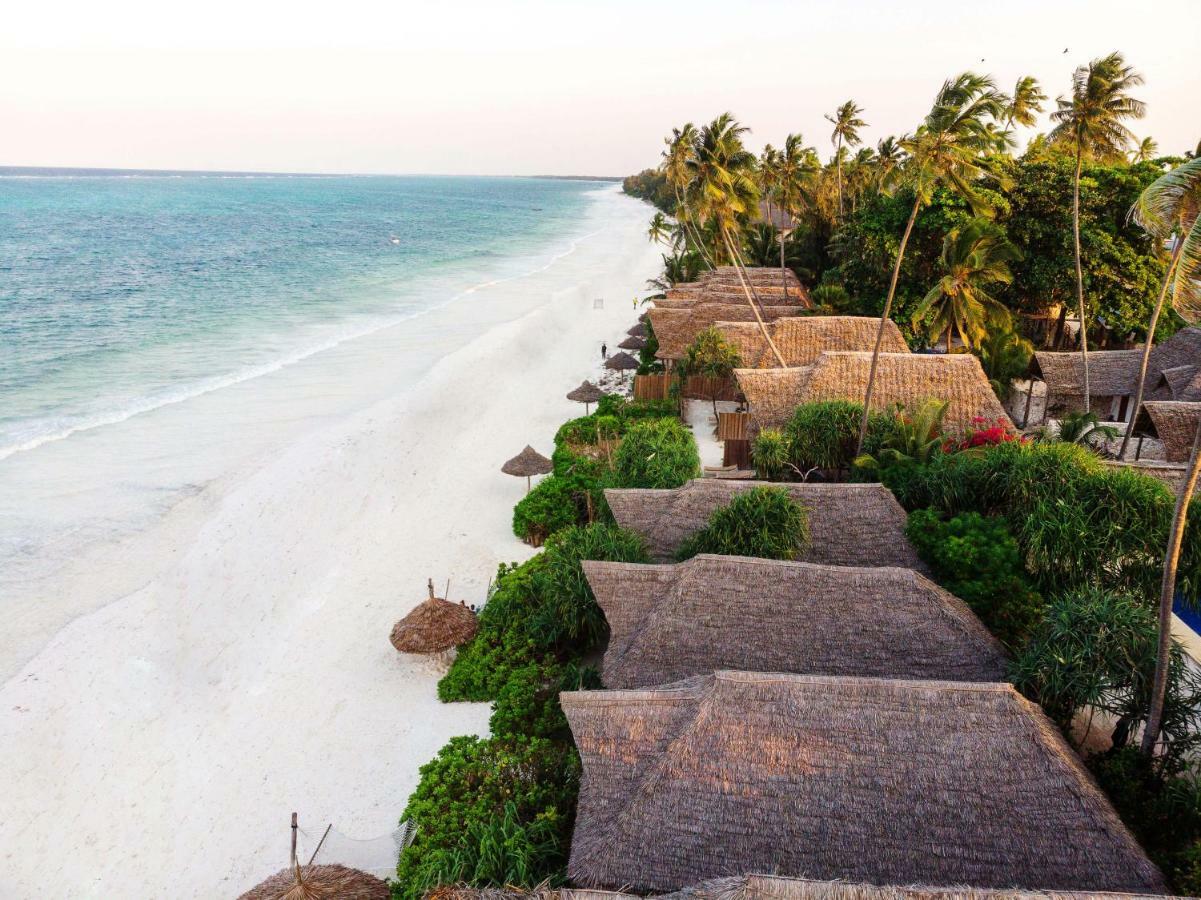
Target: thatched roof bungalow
x,y
906,379
668,623
1172,421
676,329
802,339
1113,374
1180,383
873,780
849,524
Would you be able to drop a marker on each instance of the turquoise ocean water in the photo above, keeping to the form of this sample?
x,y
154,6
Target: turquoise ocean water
x,y
126,299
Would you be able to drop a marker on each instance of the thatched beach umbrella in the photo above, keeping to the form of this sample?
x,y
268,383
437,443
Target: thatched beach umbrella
x,y
632,343
638,330
434,626
311,882
621,362
528,463
586,393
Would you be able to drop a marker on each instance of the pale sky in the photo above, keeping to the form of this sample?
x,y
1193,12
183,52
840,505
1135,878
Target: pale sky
x,y
531,87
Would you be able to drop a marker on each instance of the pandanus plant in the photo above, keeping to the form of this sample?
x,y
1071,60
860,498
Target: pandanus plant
x,y
946,150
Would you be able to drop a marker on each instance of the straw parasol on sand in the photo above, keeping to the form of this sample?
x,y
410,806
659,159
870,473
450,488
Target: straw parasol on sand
x,y
586,393
311,882
632,343
668,623
621,362
638,330
883,781
850,524
528,463
434,626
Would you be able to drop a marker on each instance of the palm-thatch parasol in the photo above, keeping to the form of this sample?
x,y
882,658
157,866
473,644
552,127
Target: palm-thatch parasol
x,y
434,626
632,343
586,393
528,463
638,330
312,882
621,362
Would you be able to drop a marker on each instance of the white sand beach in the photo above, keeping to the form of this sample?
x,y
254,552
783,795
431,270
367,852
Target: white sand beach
x,y
172,698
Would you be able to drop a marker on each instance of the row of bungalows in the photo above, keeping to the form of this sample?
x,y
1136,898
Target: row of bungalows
x,y
834,726
727,281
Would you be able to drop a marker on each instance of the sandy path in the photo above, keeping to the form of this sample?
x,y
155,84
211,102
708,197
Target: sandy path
x,y
156,746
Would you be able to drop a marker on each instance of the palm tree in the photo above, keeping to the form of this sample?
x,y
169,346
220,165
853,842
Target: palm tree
x,y
1090,120
1173,200
846,123
1168,207
945,149
659,231
723,191
797,168
1146,151
680,148
975,257
889,157
1025,104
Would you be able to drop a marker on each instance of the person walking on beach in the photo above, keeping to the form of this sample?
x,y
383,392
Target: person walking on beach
x,y
604,350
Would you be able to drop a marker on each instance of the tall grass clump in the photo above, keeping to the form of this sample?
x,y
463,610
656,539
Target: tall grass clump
x,y
656,454
763,521
822,436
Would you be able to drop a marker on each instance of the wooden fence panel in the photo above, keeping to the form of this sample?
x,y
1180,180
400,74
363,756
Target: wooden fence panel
x,y
651,387
700,387
732,426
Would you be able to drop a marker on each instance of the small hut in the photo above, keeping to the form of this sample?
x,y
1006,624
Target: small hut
x,y
638,330
528,463
850,524
632,343
434,626
1173,422
668,623
876,780
587,393
621,362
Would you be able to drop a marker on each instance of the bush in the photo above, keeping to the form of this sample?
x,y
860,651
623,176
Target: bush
x,y
656,454
977,559
764,522
529,701
823,435
567,611
528,784
590,430
555,502
770,454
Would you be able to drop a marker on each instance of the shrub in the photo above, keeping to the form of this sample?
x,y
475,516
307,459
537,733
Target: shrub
x,y
823,435
567,612
977,559
528,703
656,454
554,503
529,784
833,297
588,430
770,454
764,522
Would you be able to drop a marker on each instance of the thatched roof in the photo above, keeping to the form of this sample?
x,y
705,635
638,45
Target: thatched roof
x,y
676,329
527,463
434,626
775,887
849,524
756,275
1172,421
902,378
1114,373
586,393
802,339
874,780
621,361
667,623
320,883
1180,383
638,330
632,343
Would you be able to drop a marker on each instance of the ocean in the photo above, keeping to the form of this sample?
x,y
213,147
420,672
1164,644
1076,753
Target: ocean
x,y
144,319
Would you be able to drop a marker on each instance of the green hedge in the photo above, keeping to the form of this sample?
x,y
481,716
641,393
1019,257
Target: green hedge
x,y
823,435
660,453
764,522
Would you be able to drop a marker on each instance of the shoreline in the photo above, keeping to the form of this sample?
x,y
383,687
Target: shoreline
x,y
251,675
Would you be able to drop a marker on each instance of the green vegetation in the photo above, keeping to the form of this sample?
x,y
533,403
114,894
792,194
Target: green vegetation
x,y
764,522
711,356
822,436
656,454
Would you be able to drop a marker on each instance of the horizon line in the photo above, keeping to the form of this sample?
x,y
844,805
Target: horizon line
x,y
123,170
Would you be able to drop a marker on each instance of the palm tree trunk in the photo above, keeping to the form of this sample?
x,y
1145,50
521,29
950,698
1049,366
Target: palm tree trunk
x,y
1167,592
693,233
892,289
758,318
1080,276
1142,372
739,262
783,273
838,167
